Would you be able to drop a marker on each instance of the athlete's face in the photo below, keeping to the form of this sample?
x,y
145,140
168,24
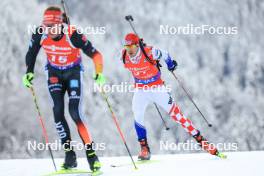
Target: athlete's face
x,y
54,30
131,49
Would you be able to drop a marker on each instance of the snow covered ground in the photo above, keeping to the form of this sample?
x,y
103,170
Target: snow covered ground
x,y
238,163
224,73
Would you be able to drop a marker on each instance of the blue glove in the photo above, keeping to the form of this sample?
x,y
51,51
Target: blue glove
x,y
171,64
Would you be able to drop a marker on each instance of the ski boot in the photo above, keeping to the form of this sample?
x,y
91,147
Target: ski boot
x,y
145,151
70,160
210,148
93,160
221,155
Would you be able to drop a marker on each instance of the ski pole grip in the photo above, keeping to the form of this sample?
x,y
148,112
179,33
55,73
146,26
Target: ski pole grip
x,y
129,18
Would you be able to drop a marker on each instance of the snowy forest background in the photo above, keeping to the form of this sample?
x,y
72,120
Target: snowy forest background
x,y
225,73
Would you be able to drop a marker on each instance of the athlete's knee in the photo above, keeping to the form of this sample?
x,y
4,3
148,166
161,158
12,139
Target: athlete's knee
x,y
139,118
74,112
138,113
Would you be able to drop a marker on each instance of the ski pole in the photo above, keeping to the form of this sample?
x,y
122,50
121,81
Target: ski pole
x,y
44,131
164,123
65,10
189,96
129,18
118,126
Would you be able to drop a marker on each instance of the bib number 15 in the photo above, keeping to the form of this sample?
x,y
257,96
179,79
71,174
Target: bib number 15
x,y
60,59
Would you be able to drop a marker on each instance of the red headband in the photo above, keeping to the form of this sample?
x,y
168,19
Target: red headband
x,y
52,16
131,39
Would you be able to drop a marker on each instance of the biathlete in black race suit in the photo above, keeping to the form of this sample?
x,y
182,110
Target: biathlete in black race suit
x,y
64,69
